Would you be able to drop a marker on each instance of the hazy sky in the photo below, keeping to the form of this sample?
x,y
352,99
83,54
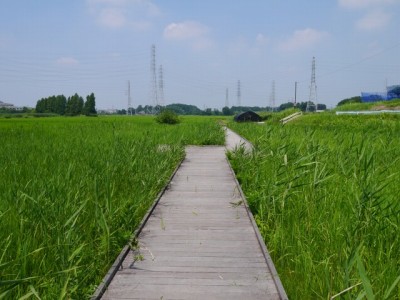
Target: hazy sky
x,y
50,47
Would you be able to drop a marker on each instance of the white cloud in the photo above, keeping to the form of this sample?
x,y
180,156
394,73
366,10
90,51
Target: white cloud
x,y
374,20
109,2
358,4
303,39
196,34
67,61
136,14
185,30
112,18
261,39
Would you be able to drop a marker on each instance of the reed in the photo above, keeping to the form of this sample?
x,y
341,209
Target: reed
x,y
72,191
324,192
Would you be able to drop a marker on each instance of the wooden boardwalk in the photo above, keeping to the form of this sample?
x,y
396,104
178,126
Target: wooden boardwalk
x,y
199,242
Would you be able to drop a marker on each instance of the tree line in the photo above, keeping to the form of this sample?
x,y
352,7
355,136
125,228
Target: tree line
x,y
71,106
185,109
302,106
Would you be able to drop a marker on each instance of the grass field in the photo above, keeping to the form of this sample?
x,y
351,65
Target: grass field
x,y
325,194
72,191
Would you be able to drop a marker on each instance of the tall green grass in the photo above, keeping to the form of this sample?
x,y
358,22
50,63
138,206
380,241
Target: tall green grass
x,y
325,194
72,191
395,103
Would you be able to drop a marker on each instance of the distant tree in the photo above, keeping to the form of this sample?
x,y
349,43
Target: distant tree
x,y
60,104
40,107
285,106
226,111
52,104
167,116
74,105
208,112
216,112
139,109
90,105
130,111
237,109
184,109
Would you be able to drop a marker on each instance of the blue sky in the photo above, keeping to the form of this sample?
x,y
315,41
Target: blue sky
x,y
205,47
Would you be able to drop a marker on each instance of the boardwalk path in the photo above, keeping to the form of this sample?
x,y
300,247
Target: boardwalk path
x,y
199,242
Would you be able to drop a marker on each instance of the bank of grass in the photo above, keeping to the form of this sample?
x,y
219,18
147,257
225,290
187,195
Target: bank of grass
x,y
324,192
361,106
72,191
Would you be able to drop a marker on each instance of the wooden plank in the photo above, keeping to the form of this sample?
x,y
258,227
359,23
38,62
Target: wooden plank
x,y
199,242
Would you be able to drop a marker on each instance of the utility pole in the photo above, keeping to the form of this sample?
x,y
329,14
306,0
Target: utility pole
x,y
295,94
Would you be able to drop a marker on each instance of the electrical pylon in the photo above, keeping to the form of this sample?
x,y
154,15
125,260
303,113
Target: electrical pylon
x,y
312,103
272,96
239,94
227,97
129,111
161,86
153,90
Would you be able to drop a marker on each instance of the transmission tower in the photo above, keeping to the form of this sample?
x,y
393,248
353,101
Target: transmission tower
x,y
272,96
312,103
161,85
239,94
129,111
227,97
153,90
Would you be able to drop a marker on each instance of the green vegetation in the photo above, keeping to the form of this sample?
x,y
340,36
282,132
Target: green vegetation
x,y
357,106
355,99
167,117
275,117
73,106
301,106
74,189
324,193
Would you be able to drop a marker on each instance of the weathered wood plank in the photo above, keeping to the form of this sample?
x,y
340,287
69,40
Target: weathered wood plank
x,y
199,242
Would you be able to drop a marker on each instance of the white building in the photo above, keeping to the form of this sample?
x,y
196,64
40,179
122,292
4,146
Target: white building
x,y
9,106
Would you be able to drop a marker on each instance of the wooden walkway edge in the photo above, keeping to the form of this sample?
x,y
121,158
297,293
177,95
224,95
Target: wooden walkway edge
x,y
199,240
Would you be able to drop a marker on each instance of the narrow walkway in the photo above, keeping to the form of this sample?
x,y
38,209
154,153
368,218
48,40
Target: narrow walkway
x,y
199,242
233,140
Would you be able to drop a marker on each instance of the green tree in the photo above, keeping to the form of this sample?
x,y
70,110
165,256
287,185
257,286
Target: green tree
x,y
355,99
226,111
60,104
167,116
74,105
90,105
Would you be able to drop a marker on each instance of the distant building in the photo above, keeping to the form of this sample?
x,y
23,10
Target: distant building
x,y
7,105
248,116
392,92
108,111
